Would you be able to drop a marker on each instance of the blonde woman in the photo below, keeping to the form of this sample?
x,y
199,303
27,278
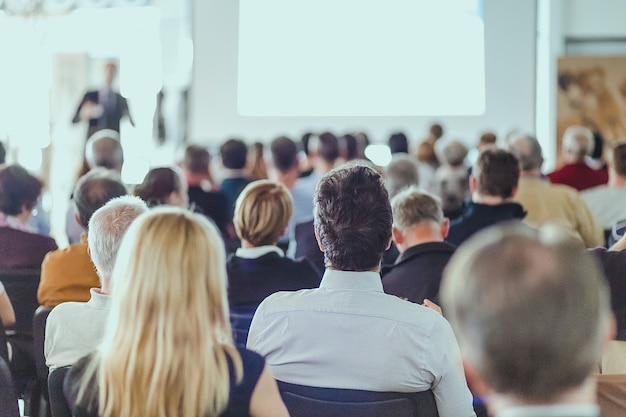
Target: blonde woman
x,y
167,349
259,268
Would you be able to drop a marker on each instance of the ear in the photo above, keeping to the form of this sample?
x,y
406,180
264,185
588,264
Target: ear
x,y
514,191
472,184
319,242
445,227
77,218
397,236
475,381
88,251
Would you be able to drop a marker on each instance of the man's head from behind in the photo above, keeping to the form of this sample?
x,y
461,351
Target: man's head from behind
x,y
577,143
107,227
104,150
527,150
495,174
196,159
618,158
417,218
352,218
95,189
530,310
284,153
234,154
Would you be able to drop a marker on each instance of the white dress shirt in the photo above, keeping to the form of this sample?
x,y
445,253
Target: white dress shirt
x,y
350,334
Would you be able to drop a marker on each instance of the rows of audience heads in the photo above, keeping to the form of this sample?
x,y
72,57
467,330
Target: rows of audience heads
x,y
161,256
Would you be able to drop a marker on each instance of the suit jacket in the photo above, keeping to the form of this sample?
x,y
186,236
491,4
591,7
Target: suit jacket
x,y
477,216
250,281
417,272
114,110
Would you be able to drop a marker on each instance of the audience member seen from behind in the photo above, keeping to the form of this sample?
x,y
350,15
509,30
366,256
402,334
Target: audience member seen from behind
x,y
259,268
103,150
256,168
608,202
402,172
493,184
551,203
75,329
419,228
163,186
234,155
68,274
167,348
451,179
203,193
531,311
20,246
577,144
347,333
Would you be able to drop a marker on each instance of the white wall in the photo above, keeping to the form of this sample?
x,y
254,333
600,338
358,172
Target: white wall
x,y
509,65
592,18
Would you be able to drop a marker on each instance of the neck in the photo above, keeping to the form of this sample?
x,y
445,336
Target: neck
x,y
322,166
583,394
288,178
490,200
531,173
616,180
105,286
419,234
197,178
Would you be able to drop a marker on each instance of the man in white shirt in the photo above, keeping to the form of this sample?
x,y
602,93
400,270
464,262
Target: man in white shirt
x,y
74,329
348,333
532,314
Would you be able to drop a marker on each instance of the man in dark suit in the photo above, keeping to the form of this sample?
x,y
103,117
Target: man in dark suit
x,y
103,108
419,229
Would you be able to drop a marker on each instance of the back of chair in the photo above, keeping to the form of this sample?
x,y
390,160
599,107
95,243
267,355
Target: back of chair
x,y
240,319
4,351
8,398
39,333
58,402
21,287
304,401
611,393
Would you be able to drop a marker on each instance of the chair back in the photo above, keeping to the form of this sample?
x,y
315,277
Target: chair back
x,y
39,333
4,351
58,403
304,401
611,394
8,398
21,287
240,320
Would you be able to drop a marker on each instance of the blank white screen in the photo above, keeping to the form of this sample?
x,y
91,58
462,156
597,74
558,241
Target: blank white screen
x,y
360,58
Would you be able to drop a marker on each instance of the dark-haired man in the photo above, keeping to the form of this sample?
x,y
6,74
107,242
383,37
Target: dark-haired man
x,y
347,333
493,184
234,154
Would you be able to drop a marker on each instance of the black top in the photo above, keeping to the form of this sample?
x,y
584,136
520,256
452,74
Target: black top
x,y
477,216
212,204
613,264
232,187
417,272
250,281
238,401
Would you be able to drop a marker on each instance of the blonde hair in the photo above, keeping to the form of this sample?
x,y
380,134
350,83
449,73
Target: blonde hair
x,y
168,335
262,212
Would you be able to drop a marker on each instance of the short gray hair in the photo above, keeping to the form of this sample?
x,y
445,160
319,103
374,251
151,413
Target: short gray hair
x,y
104,149
412,206
402,172
107,228
454,153
528,151
578,140
531,310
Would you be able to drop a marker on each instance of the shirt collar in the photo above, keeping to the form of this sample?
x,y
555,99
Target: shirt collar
x,y
99,300
257,252
557,410
13,222
351,280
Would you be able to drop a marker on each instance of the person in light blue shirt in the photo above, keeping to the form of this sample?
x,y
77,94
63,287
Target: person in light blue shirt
x,y
348,333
